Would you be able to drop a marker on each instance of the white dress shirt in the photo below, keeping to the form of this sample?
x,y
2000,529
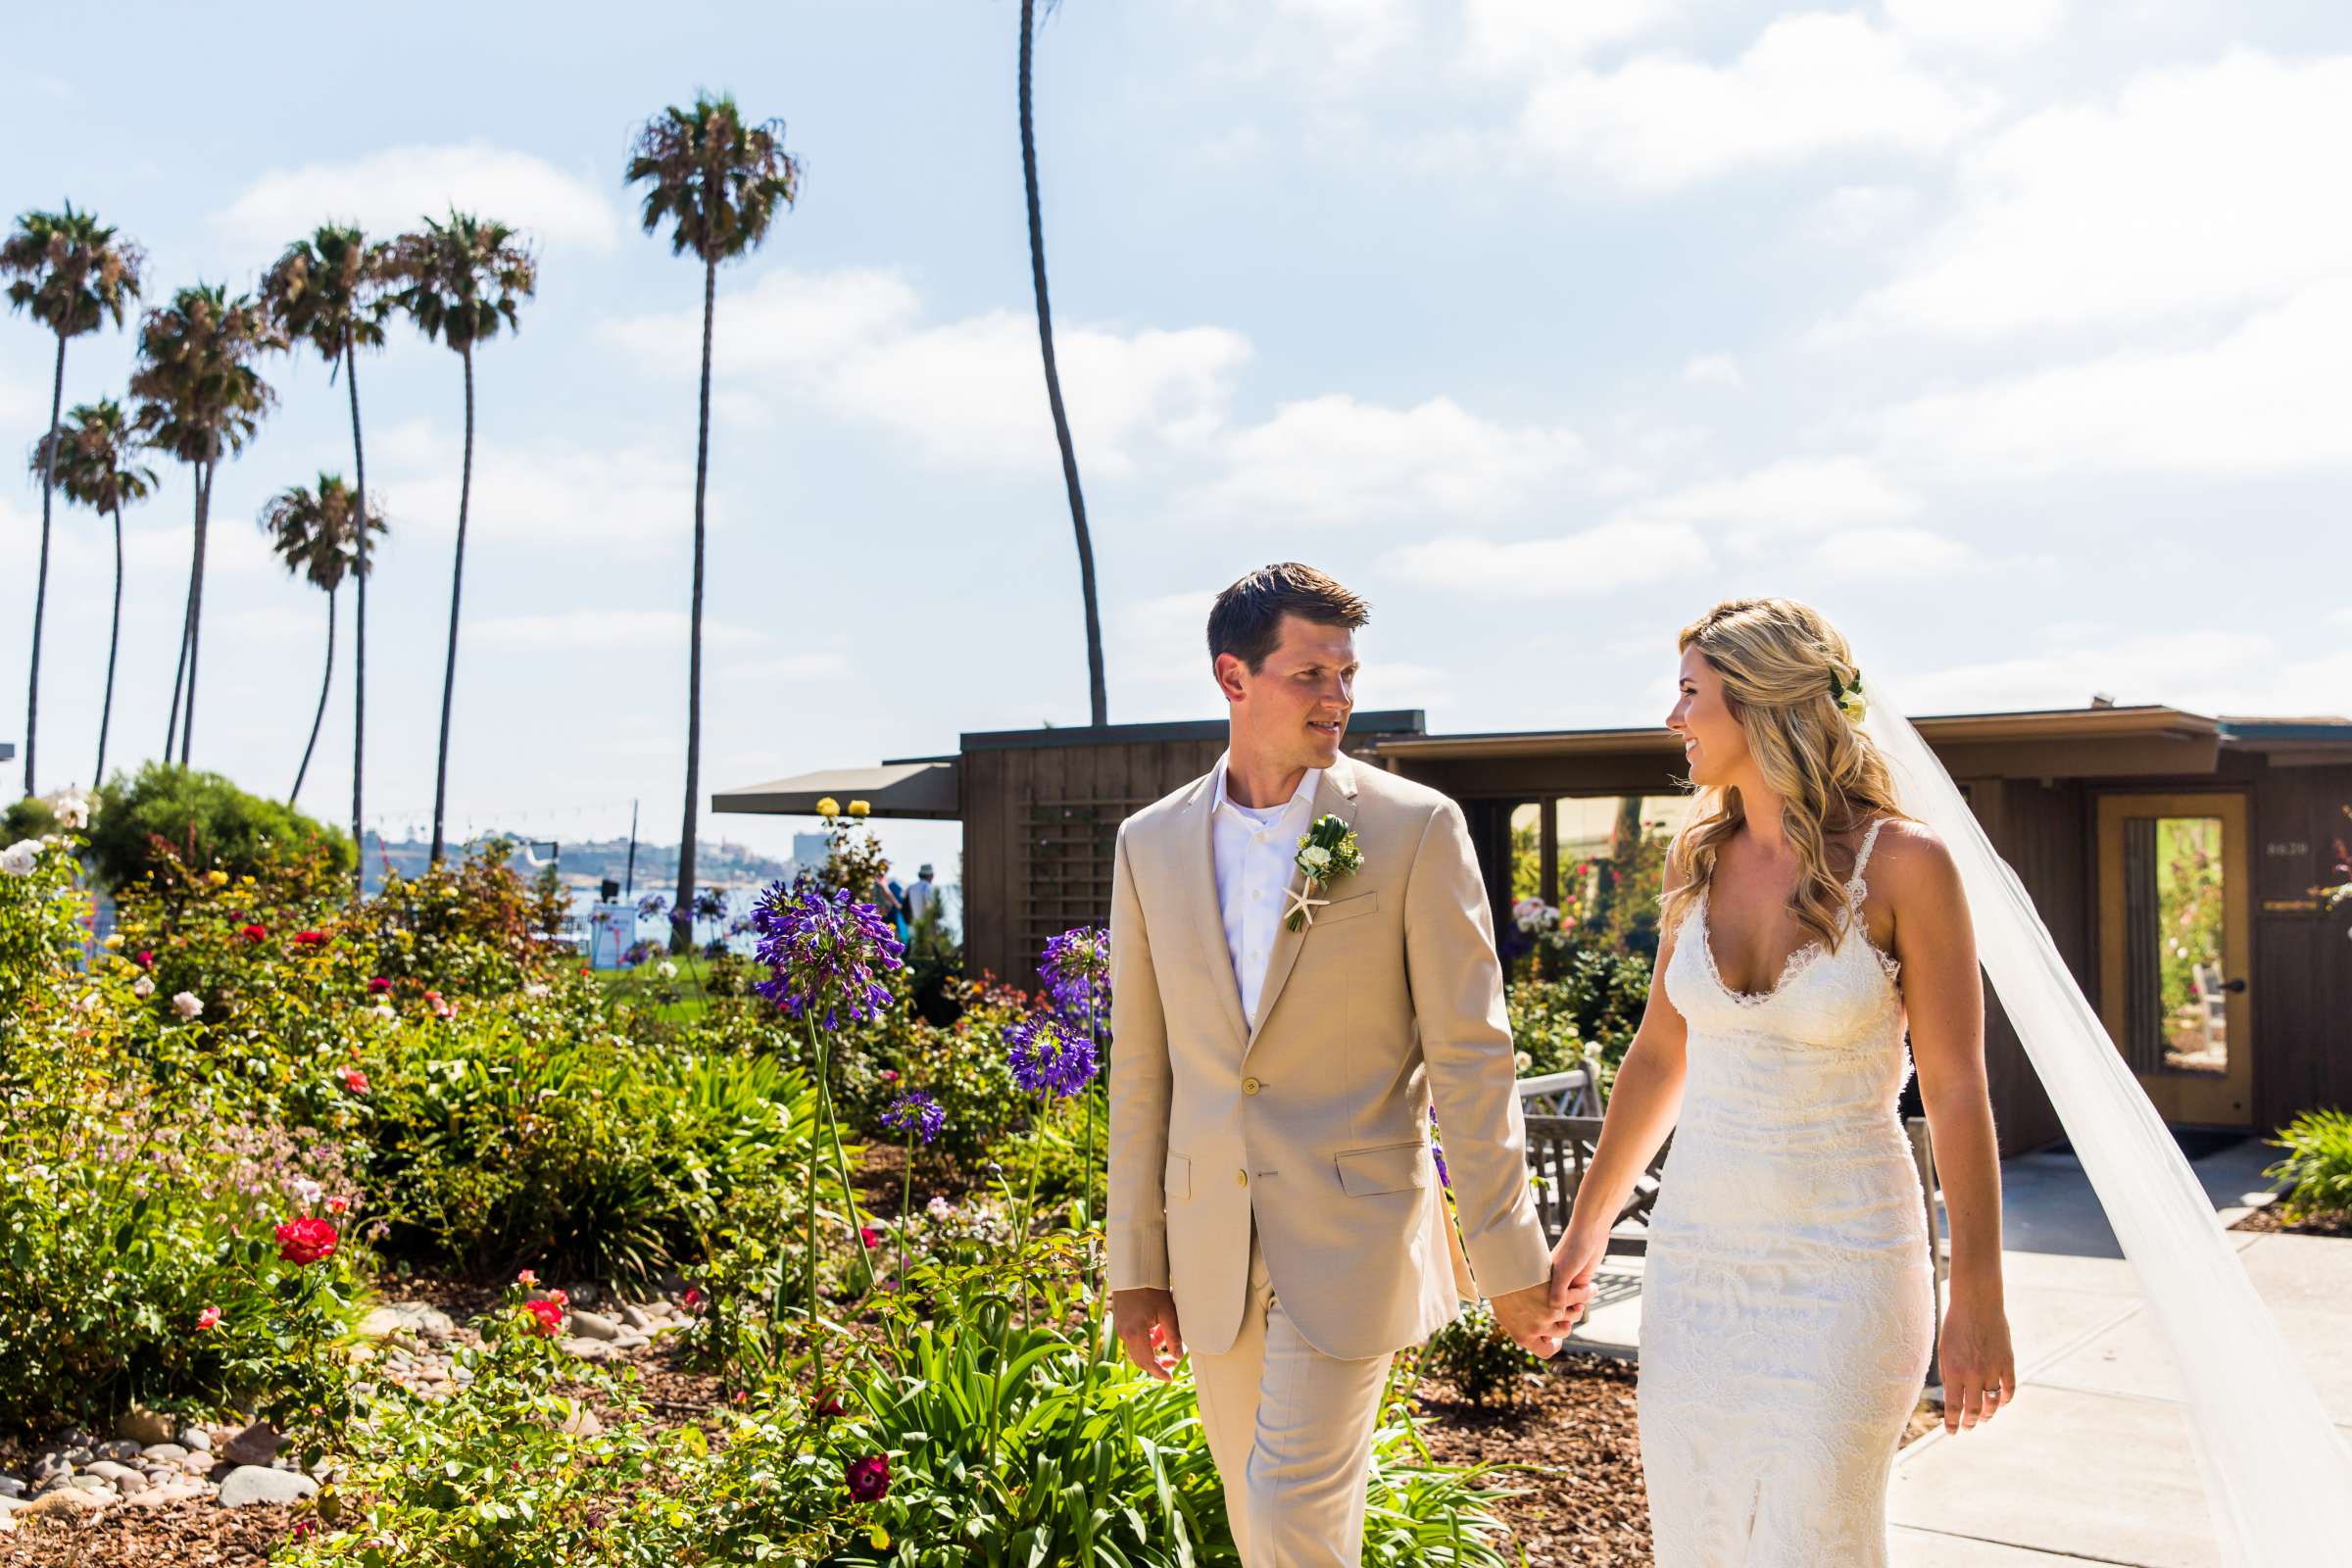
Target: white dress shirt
x,y
1256,849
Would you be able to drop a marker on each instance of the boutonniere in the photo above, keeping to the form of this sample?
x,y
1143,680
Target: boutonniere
x,y
1327,852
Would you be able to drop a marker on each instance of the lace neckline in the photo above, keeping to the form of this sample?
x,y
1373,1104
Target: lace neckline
x,y
1855,891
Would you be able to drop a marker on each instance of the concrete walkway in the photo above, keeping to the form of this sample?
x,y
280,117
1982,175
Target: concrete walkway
x,y
2091,1464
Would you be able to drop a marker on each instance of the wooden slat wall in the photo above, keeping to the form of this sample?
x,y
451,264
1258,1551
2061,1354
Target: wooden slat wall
x,y
2044,833
2301,988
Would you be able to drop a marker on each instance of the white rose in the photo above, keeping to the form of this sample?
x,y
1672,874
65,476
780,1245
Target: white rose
x,y
142,987
537,988
305,1188
19,857
1315,857
1521,1060
72,810
383,1010
667,970
187,1004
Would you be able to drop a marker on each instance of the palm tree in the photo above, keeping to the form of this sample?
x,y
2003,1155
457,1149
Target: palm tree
x,y
1061,421
71,273
330,291
459,280
92,459
317,534
200,399
719,184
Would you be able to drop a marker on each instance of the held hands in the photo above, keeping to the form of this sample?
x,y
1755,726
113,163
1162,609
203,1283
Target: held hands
x,y
1144,1320
1539,1317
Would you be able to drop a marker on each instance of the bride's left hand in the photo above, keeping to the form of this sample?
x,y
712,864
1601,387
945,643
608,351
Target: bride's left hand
x,y
1980,1369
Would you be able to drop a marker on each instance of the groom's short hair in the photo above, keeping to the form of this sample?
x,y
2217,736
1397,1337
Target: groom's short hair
x,y
1246,621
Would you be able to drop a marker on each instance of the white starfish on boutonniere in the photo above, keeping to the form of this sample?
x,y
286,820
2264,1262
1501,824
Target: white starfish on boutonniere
x,y
1327,852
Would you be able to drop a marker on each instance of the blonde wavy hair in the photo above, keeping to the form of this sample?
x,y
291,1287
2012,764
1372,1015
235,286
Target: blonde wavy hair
x,y
1777,657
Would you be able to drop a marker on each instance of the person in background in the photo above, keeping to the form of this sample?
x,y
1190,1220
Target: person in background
x,y
892,906
922,896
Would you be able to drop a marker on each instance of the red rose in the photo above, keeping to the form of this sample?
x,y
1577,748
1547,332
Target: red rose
x,y
825,1403
208,1318
256,933
310,938
146,958
869,1236
378,985
692,1300
306,1241
355,1080
338,1205
549,1315
869,1478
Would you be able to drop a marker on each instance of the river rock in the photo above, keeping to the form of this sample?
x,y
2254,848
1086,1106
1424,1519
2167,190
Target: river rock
x,y
250,1483
118,1450
196,1438
590,1349
168,1493
594,1326
258,1443
126,1480
11,1487
142,1426
164,1452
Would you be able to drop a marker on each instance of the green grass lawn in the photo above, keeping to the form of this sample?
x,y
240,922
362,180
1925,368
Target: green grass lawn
x,y
643,992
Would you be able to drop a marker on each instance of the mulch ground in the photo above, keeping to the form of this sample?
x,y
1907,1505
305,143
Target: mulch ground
x,y
181,1534
2268,1219
1569,1450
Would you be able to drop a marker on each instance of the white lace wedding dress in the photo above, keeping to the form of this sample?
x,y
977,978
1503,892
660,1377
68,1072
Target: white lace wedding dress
x,y
1787,1305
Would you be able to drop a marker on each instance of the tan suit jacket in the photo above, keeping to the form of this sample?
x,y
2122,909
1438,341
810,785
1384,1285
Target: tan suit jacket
x,y
1316,1119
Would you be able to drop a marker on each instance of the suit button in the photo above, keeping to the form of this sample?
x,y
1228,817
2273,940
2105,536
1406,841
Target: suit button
x,y
1241,1178
1250,1085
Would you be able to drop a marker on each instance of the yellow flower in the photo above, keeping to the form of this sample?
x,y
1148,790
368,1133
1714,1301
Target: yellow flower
x,y
858,808
114,939
216,878
828,807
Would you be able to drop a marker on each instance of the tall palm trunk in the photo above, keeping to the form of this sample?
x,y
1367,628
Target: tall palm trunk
x,y
187,615
681,919
203,520
325,682
113,644
40,589
1061,423
457,586
359,630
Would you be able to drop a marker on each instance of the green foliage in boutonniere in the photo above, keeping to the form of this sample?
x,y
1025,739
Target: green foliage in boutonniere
x,y
1327,852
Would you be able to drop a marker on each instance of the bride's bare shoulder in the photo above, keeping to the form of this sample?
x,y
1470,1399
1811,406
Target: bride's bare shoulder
x,y
1910,860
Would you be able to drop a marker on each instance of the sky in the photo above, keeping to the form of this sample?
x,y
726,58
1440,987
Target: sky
x,y
2011,333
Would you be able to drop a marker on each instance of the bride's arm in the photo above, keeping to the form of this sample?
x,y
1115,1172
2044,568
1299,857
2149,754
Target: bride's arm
x,y
1643,1105
1944,992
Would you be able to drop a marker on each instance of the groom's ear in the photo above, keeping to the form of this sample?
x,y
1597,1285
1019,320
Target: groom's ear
x,y
1230,671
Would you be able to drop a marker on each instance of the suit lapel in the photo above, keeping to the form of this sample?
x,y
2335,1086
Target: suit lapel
x,y
1198,854
1335,795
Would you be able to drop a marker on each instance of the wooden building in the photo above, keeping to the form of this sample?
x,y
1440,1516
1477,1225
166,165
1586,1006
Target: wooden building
x,y
2128,826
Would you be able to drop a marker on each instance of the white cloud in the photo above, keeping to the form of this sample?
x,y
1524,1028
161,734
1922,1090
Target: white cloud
x,y
969,392
2199,188
1793,494
1517,34
1334,460
1861,214
629,499
1713,370
387,192
1599,560
1892,552
2186,668
1809,84
2269,397
786,668
1992,26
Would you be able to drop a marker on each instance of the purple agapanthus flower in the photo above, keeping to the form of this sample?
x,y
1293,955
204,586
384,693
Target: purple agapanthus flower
x,y
917,1113
1437,1151
1050,1055
1076,967
824,954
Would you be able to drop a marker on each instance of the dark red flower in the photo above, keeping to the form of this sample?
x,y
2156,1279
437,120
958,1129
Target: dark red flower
x,y
692,1300
869,1478
378,985
825,1403
310,938
549,1315
256,933
869,1236
306,1241
145,959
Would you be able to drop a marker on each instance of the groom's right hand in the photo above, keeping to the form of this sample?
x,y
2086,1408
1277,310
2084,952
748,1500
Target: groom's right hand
x,y
1144,1320
1536,1320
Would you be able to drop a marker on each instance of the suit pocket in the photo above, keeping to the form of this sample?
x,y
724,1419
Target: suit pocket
x,y
1389,1169
1176,1182
1348,909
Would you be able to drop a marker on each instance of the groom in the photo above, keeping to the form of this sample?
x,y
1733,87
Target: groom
x,y
1274,1207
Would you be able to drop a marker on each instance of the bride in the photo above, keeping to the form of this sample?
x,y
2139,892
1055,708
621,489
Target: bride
x,y
1787,1300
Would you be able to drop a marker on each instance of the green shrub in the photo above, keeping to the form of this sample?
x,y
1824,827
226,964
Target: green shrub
x,y
1484,1364
1586,1011
166,816
2318,1166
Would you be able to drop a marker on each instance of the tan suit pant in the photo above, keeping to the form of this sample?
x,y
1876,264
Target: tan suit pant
x,y
1290,1430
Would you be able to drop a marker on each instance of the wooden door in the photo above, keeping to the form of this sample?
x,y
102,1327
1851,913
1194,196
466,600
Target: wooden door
x,y
2175,948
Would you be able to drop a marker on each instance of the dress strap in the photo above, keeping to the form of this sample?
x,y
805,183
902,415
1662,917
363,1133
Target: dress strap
x,y
1855,887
